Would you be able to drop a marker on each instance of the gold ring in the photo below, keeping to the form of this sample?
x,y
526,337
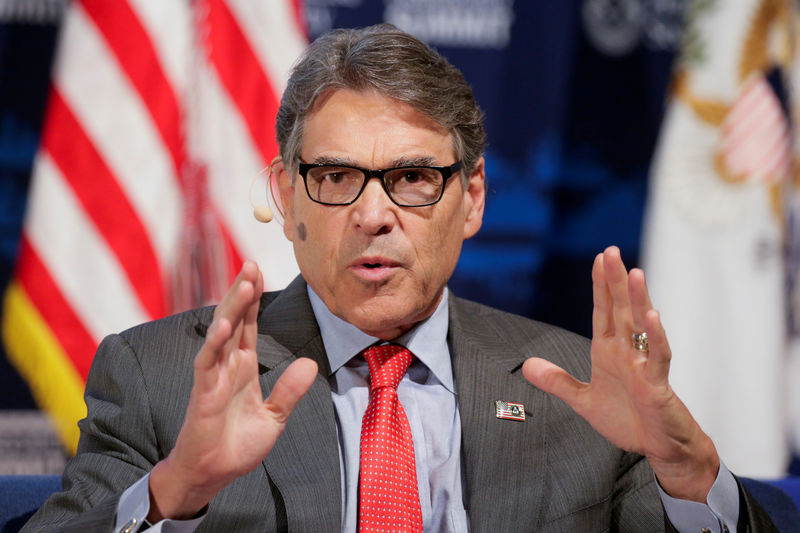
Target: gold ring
x,y
640,341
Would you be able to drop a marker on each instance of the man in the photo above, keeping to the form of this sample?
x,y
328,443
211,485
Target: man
x,y
196,444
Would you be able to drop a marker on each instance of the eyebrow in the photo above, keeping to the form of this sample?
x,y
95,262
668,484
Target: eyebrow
x,y
421,161
331,160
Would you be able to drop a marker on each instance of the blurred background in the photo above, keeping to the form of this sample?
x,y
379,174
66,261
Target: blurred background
x,y
131,130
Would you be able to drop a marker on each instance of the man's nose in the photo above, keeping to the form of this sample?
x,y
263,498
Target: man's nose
x,y
375,213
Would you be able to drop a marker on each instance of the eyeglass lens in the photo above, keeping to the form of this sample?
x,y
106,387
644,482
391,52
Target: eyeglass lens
x,y
406,186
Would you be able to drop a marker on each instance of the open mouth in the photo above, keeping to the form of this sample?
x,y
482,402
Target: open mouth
x,y
374,268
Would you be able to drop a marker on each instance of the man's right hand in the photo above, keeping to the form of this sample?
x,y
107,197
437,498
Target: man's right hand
x,y
229,429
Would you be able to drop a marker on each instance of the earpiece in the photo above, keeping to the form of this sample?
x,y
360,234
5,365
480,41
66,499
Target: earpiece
x,y
262,212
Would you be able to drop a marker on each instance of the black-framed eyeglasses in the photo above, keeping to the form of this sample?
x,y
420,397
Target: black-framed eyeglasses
x,y
408,186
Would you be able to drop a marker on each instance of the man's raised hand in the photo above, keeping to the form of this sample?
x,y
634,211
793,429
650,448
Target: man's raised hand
x,y
229,429
629,400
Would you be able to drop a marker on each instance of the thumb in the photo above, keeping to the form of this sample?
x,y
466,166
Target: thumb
x,y
554,380
290,387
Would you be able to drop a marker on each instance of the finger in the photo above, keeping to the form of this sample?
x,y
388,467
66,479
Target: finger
x,y
602,317
235,312
660,355
553,379
217,335
248,274
290,387
222,336
617,278
250,327
639,297
237,300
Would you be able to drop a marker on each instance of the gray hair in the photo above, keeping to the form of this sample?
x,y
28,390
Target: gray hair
x,y
393,63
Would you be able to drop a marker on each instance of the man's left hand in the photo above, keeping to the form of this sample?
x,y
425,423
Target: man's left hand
x,y
629,399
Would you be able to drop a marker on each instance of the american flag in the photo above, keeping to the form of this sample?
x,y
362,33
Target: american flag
x,y
755,140
510,410
160,114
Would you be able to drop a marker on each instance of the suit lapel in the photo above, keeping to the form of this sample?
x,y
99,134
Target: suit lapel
x,y
503,459
289,319
304,464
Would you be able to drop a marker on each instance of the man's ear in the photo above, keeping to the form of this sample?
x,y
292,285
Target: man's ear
x,y
475,199
285,199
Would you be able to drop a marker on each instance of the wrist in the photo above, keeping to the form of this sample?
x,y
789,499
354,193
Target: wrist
x,y
173,496
692,477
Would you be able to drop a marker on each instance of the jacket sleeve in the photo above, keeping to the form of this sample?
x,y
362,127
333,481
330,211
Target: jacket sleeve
x,y
117,445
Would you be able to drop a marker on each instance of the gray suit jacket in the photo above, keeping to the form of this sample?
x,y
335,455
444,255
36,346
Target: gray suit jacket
x,y
552,472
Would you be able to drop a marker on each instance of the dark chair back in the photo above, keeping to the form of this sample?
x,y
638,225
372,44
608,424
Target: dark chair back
x,y
775,499
21,496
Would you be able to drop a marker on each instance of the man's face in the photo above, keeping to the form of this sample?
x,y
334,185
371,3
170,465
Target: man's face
x,y
378,266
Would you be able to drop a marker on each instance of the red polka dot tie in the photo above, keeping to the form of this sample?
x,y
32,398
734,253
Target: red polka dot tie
x,y
387,493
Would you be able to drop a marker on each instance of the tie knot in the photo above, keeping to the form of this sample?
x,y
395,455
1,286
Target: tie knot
x,y
387,365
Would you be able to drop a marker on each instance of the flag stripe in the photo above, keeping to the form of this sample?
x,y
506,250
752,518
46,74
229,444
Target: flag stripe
x,y
79,259
760,155
128,38
739,121
755,138
243,89
45,295
170,28
753,154
751,97
264,24
235,259
44,363
121,130
776,162
766,133
242,76
298,14
134,50
233,160
740,126
105,203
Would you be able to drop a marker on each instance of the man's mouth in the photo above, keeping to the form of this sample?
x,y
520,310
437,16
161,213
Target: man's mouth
x,y
374,261
374,268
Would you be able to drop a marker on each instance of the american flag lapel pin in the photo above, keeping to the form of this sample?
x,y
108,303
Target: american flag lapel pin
x,y
510,410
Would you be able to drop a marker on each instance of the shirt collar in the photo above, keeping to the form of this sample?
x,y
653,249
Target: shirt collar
x,y
427,340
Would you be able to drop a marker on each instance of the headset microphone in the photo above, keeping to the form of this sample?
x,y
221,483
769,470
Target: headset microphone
x,y
262,212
